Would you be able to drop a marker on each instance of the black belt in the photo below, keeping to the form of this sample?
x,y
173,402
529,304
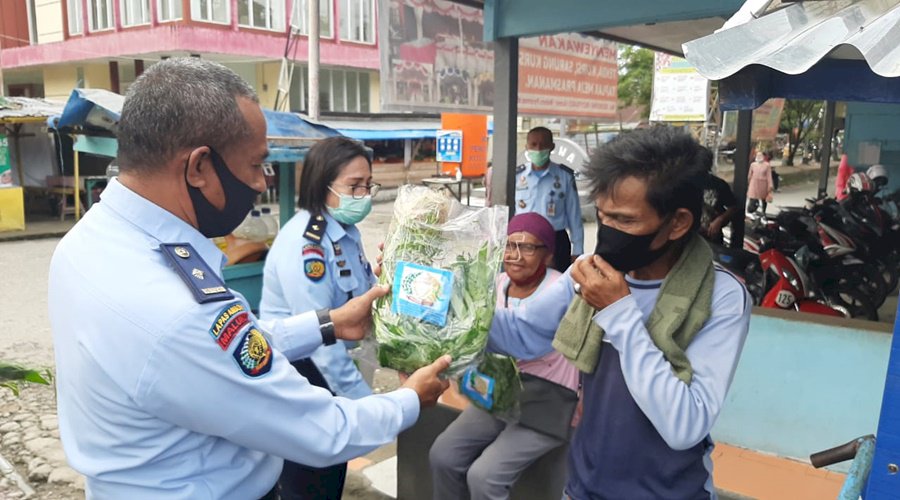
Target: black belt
x,y
308,369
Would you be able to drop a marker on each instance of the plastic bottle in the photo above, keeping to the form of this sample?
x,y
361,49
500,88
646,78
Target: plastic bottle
x,y
112,170
253,228
271,225
221,242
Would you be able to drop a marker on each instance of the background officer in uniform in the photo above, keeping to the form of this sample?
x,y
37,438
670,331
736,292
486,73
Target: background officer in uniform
x,y
549,189
317,261
168,386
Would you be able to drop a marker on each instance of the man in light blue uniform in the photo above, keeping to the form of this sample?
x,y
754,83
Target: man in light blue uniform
x,y
168,386
347,274
549,189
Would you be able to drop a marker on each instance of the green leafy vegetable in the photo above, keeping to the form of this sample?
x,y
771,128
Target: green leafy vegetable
x,y
432,229
507,384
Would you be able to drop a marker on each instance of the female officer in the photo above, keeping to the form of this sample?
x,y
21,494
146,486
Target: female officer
x,y
317,262
480,456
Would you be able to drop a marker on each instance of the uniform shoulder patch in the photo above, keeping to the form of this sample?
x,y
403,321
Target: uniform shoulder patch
x,y
229,323
567,169
196,274
313,250
315,228
253,354
520,169
314,268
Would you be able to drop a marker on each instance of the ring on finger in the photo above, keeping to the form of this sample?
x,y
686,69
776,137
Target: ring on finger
x,y
577,288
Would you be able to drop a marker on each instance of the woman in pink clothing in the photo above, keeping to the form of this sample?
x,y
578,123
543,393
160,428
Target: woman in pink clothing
x,y
840,182
480,456
759,184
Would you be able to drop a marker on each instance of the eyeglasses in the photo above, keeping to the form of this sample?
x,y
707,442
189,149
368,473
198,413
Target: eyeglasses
x,y
360,191
526,249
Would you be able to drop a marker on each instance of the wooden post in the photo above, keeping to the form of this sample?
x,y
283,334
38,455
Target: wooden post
x,y
77,187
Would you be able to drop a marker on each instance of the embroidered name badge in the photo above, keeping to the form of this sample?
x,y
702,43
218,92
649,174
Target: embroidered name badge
x,y
313,250
253,354
314,267
228,324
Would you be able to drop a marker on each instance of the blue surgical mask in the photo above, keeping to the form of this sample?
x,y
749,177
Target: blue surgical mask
x,y
350,210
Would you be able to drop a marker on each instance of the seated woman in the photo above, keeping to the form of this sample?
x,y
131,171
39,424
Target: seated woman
x,y
480,456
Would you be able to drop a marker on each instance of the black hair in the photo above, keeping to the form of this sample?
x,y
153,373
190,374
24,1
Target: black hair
x,y
543,131
323,164
671,162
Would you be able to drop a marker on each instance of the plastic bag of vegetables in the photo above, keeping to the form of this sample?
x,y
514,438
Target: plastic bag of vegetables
x,y
493,385
440,260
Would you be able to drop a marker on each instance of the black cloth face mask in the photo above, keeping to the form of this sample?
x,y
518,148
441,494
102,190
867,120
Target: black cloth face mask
x,y
625,251
239,199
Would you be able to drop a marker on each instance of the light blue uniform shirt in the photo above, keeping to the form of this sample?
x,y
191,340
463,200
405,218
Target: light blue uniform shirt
x,y
291,285
552,193
150,405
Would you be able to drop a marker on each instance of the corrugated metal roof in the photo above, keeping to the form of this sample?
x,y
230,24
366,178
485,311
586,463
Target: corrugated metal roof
x,y
792,37
14,109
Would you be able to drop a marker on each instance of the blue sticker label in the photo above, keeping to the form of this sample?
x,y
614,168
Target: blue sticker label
x,y
422,292
479,388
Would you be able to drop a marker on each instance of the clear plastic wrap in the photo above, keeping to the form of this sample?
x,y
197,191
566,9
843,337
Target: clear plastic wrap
x,y
441,260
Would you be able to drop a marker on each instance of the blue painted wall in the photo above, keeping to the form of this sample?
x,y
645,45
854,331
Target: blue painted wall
x,y
875,122
802,387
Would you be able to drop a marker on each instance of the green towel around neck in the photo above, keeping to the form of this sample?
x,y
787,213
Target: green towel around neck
x,y
683,306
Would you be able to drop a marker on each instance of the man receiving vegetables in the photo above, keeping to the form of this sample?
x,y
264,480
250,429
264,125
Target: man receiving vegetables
x,y
654,326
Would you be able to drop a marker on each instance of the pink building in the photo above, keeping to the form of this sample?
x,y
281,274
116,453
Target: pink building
x,y
49,47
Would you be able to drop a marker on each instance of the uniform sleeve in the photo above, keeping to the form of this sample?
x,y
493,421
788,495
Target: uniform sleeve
x,y
295,337
250,395
682,414
574,222
305,292
524,332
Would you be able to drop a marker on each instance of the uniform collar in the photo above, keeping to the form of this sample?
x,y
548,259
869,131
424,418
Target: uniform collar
x,y
335,230
540,173
160,225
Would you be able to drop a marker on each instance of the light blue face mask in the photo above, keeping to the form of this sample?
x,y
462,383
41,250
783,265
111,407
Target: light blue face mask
x,y
350,210
538,158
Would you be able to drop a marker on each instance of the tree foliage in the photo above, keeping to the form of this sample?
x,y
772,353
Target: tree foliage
x,y
799,119
635,77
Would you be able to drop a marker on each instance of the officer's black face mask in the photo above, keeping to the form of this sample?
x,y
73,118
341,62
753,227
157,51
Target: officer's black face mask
x,y
239,199
625,251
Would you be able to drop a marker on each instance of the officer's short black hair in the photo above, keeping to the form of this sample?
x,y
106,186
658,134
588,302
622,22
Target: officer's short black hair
x,y
670,161
323,164
543,131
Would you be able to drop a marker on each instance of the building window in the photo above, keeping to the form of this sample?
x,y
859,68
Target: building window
x,y
213,11
357,20
168,10
326,18
134,12
74,12
339,90
265,14
100,13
